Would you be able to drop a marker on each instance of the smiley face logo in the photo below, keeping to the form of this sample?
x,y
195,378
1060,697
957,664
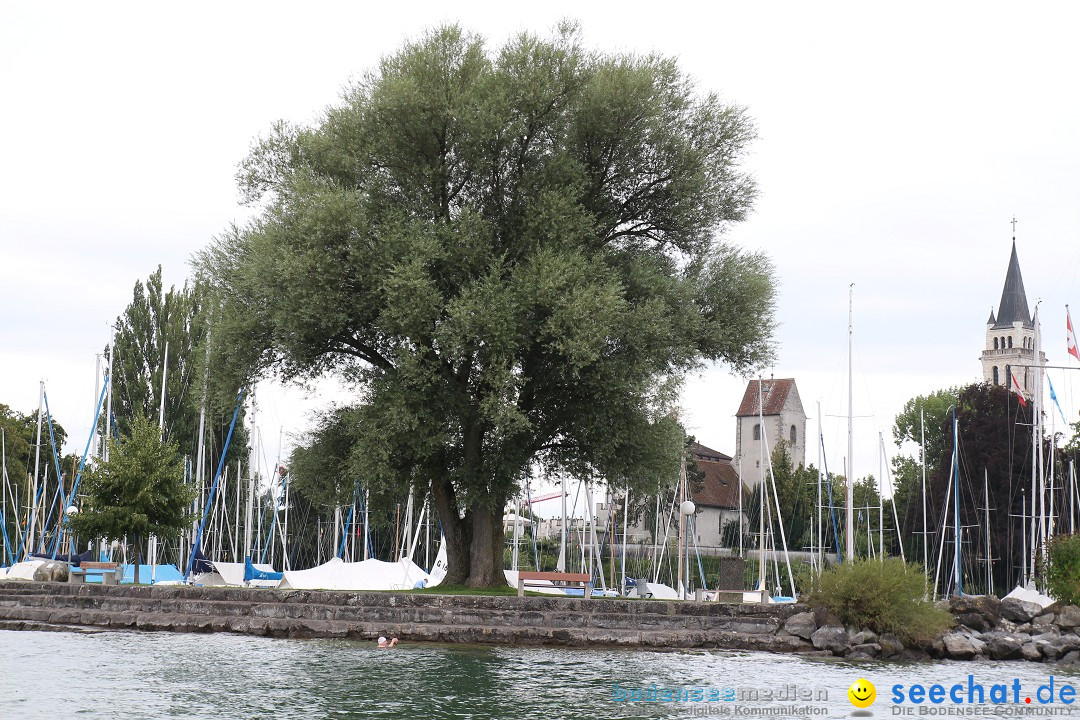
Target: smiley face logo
x,y
862,693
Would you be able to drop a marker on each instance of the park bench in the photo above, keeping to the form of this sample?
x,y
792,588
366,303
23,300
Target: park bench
x,y
554,577
110,572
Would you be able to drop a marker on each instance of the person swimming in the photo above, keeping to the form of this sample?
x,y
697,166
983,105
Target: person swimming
x,y
384,643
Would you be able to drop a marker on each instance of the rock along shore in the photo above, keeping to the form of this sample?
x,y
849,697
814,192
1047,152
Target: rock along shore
x,y
986,627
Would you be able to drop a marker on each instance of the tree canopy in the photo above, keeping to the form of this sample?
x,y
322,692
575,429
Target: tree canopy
x,y
157,319
139,491
515,254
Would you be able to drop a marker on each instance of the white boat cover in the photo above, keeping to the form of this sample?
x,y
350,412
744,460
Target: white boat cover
x,y
1030,594
546,587
232,574
22,570
367,575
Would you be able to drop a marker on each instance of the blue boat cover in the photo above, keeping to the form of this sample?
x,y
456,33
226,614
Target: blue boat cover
x,y
253,573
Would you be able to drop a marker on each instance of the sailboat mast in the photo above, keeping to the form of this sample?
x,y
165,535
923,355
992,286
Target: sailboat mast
x,y
956,501
108,406
761,489
881,499
820,527
849,515
37,466
986,494
1035,451
922,460
1072,498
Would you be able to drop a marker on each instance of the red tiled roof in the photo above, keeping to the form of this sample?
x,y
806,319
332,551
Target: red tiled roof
x,y
699,451
721,487
775,393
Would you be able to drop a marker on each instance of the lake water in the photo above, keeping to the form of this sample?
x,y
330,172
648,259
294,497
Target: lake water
x,y
164,675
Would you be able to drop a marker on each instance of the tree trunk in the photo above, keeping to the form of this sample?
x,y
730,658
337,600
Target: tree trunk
x,y
456,530
486,549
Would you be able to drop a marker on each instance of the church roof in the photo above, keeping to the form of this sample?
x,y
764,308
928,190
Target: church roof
x,y
720,488
1013,307
774,393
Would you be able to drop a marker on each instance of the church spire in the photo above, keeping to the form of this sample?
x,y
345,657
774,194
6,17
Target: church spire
x,y
1013,306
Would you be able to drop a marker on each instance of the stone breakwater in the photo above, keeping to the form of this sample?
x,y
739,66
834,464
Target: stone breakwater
x,y
986,627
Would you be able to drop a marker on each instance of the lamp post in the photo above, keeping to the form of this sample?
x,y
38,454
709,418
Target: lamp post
x,y
69,513
686,509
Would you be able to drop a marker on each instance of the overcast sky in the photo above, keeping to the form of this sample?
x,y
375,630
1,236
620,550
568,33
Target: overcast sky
x,y
896,143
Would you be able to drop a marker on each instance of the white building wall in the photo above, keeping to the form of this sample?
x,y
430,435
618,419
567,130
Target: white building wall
x,y
1021,353
749,461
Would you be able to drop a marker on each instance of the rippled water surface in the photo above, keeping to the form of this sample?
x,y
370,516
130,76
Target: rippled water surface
x,y
163,675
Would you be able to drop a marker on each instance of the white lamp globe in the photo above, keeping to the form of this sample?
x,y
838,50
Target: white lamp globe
x,y
687,507
72,510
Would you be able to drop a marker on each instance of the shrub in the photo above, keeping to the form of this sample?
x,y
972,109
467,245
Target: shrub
x,y
884,596
1063,576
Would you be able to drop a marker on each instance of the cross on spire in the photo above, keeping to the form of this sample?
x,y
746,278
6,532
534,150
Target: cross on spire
x,y
1014,227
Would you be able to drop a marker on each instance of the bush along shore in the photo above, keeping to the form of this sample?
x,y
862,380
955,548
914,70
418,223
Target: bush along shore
x,y
986,629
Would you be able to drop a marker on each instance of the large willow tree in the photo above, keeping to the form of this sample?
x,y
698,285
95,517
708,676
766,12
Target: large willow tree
x,y
513,253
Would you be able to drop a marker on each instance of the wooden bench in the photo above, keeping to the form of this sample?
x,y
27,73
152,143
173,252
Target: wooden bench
x,y
554,577
110,572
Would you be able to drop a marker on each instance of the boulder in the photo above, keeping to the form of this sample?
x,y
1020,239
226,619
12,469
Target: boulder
x,y
864,651
1030,652
1068,616
959,647
979,612
863,637
1002,646
830,637
801,625
973,621
823,617
1066,643
1005,625
52,571
1042,621
1020,611
890,645
1071,658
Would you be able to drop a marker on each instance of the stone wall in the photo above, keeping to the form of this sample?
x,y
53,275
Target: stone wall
x,y
440,618
985,626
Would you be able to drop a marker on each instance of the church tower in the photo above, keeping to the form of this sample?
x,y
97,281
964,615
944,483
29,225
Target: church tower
x,y
1010,337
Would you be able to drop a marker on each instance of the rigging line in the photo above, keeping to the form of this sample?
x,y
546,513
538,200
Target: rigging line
x,y
86,452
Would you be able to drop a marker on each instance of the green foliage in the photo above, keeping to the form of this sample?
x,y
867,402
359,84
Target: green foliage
x,y
513,253
995,444
925,415
1063,578
175,320
319,465
883,596
139,491
20,435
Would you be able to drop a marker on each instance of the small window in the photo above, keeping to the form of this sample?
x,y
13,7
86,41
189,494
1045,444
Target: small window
x,y
996,376
1010,342
757,431
794,436
995,344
